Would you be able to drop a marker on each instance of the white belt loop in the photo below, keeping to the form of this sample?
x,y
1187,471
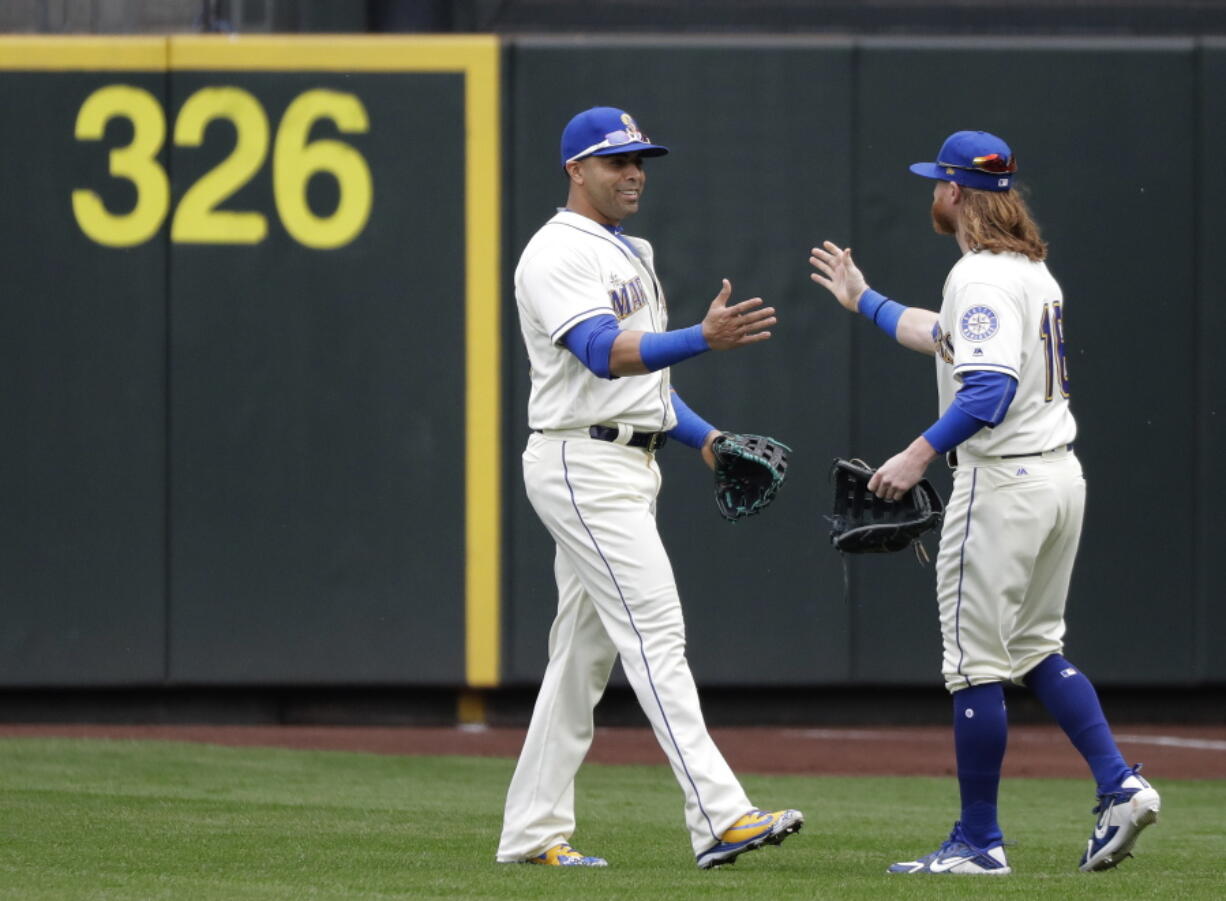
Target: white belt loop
x,y
624,433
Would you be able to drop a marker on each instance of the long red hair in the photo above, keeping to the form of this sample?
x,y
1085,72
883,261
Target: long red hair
x,y
1001,222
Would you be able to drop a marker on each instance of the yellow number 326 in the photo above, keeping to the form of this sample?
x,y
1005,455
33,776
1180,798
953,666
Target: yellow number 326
x,y
198,219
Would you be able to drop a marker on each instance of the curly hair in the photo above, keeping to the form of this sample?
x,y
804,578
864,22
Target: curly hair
x,y
1001,222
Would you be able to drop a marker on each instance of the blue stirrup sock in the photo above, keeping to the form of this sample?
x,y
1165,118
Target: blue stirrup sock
x,y
981,731
1070,697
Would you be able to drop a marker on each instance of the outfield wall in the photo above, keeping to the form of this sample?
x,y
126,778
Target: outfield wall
x,y
263,385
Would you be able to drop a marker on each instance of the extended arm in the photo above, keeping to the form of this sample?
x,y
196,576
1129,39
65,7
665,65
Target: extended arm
x,y
837,273
611,352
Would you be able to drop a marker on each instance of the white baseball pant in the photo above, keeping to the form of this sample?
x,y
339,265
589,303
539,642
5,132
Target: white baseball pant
x,y
616,596
1008,542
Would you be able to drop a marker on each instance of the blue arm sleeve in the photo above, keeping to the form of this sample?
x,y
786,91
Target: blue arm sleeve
x,y
986,395
691,428
661,349
884,312
592,342
952,429
982,400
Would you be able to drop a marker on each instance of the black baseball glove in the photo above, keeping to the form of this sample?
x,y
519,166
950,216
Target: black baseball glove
x,y
866,524
748,472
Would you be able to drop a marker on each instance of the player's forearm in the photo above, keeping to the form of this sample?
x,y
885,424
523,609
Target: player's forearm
x,y
692,429
915,330
637,353
625,358
909,326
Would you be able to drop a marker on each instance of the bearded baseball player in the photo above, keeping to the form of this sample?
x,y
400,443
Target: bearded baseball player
x,y
1013,522
594,320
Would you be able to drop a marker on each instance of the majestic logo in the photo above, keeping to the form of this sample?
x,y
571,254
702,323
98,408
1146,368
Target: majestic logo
x,y
979,323
1021,471
627,298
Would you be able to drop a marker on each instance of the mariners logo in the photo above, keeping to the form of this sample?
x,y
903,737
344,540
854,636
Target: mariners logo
x,y
632,128
979,324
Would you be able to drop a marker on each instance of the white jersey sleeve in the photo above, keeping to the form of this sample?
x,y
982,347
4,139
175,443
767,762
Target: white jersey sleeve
x,y
987,330
565,289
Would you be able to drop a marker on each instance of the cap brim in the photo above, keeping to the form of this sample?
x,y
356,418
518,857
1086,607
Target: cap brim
x,y
930,170
633,147
984,181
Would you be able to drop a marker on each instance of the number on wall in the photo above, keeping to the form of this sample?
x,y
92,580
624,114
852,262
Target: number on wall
x,y
197,220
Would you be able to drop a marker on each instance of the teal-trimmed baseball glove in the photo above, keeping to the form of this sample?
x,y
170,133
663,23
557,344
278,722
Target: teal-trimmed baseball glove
x,y
748,472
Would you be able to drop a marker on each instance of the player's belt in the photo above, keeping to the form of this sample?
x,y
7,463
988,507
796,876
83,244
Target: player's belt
x,y
648,440
626,435
952,456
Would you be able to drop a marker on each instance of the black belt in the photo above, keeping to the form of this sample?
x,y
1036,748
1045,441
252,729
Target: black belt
x,y
648,440
1034,453
952,456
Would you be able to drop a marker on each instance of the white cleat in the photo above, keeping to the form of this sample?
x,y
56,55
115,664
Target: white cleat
x,y
959,857
1122,815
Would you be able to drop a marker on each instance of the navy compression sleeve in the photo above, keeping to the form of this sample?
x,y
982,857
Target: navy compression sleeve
x,y
592,342
691,429
982,400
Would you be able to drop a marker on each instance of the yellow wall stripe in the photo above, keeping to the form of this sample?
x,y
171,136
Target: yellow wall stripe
x,y
483,366
477,58
338,53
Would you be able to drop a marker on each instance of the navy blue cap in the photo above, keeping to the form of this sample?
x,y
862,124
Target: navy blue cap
x,y
975,159
604,130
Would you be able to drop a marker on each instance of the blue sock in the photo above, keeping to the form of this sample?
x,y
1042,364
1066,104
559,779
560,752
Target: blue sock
x,y
1070,698
981,731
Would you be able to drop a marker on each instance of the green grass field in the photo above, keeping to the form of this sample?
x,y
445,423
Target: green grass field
x,y
137,820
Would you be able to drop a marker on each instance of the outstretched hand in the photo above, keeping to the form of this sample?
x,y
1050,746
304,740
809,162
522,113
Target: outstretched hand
x,y
725,327
838,274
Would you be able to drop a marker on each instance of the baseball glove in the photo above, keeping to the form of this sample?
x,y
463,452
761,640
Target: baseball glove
x,y
866,524
748,472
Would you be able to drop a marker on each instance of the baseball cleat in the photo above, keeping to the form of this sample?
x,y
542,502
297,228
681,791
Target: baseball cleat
x,y
566,856
1122,814
755,829
960,857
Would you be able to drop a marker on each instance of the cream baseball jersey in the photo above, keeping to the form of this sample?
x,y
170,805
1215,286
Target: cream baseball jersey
x,y
571,270
1003,312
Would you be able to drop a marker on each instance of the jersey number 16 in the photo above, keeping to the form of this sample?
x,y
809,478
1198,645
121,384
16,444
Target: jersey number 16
x,y
1052,332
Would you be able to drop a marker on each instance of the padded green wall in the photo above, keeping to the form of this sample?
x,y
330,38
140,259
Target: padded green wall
x,y
244,465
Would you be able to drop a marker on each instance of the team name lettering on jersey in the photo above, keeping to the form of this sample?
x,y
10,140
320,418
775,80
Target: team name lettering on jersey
x,y
942,343
627,298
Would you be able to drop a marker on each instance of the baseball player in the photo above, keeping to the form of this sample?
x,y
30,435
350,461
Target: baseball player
x,y
594,320
1014,519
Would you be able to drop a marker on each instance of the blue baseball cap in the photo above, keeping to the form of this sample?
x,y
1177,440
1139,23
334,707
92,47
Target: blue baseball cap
x,y
975,159
605,130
